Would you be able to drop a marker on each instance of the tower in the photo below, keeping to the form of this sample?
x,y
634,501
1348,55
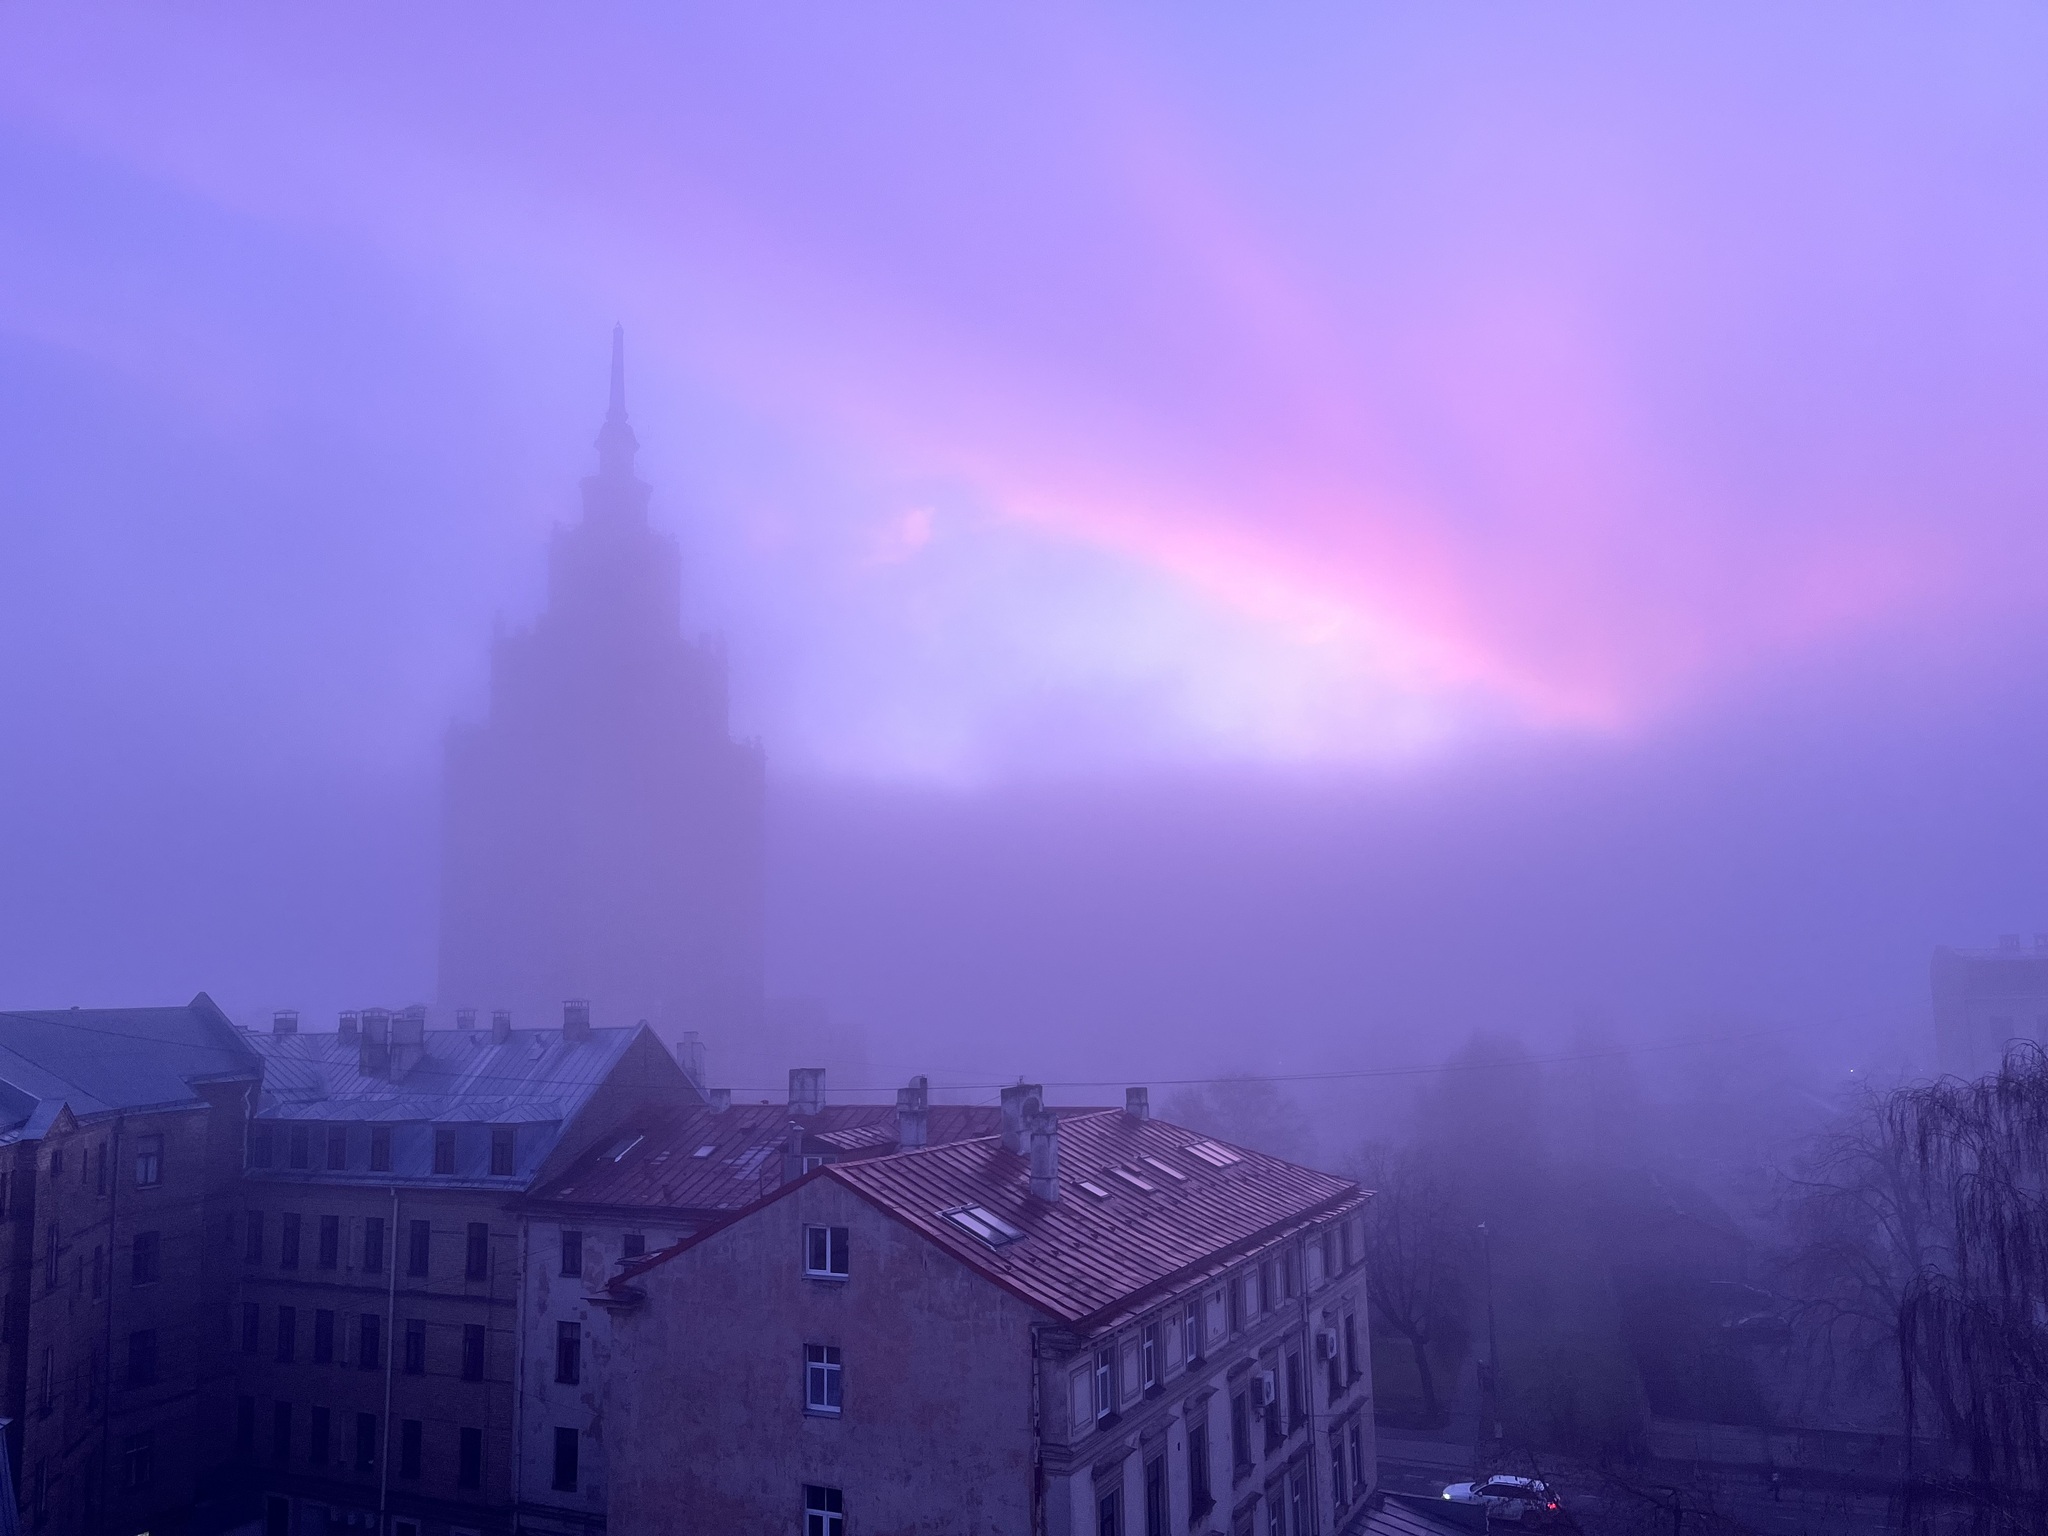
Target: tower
x,y
601,829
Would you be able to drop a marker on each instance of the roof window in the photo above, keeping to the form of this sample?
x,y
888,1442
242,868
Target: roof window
x,y
1093,1188
622,1146
704,1151
1214,1153
1165,1168
983,1223
1135,1179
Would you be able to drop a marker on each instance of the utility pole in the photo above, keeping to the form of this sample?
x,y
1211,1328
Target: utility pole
x,y
1489,1381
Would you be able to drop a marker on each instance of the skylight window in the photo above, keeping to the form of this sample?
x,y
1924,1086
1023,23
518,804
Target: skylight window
x,y
1094,1189
704,1151
1214,1153
1135,1179
979,1221
622,1146
1168,1170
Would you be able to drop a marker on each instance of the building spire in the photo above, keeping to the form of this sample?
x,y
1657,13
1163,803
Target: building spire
x,y
616,443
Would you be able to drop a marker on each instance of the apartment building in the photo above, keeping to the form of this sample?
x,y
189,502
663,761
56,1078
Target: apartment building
x,y
1093,1323
118,1177
375,1329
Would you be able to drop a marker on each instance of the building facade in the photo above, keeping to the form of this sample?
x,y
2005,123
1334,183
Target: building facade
x,y
602,832
1986,998
1098,1323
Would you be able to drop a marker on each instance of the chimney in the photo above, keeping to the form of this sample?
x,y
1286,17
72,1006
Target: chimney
x,y
1045,1156
793,1148
806,1090
1022,1103
2009,941
501,1025
408,1040
285,1022
913,1120
1138,1103
351,1025
374,1050
465,1018
690,1057
575,1021
721,1100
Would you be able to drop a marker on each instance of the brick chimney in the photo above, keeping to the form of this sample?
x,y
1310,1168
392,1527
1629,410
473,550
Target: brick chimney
x,y
1138,1103
1045,1156
408,1040
285,1022
465,1018
575,1021
351,1026
374,1050
913,1118
501,1025
1022,1103
806,1090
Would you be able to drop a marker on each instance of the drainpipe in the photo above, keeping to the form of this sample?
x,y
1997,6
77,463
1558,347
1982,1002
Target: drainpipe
x,y
107,1388
1308,1393
1037,1440
390,1350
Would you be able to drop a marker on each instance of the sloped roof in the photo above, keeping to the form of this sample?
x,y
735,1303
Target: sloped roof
x,y
102,1059
534,1077
1086,1258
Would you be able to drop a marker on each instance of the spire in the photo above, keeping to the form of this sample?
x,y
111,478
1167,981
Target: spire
x,y
616,443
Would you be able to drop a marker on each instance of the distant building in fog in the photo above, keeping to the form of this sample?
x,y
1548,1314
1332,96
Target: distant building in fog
x,y
601,832
1984,998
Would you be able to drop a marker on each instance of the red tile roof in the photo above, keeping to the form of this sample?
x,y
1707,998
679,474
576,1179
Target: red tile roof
x,y
1086,1258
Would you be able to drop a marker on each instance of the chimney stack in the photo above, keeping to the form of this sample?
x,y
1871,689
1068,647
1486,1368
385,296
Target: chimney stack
x,y
465,1018
408,1040
285,1022
374,1050
913,1120
1045,1156
806,1090
1022,1103
351,1025
690,1057
575,1021
1138,1103
501,1025
721,1100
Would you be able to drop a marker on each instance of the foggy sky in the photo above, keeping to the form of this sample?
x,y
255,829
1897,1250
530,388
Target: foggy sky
x,y
1258,542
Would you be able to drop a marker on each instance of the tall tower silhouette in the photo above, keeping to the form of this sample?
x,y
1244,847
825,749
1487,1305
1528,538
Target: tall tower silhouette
x,y
601,829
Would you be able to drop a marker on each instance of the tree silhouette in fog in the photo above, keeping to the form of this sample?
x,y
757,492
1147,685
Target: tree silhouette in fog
x,y
1418,1253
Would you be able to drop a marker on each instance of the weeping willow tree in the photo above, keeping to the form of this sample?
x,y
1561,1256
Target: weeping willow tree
x,y
1973,1324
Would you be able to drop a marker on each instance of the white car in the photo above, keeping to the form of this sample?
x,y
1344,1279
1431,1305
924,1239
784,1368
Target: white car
x,y
1509,1498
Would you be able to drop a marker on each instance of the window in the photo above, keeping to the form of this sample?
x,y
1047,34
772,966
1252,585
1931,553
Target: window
x,y
330,1242
1297,1408
479,1263
1336,1471
981,1222
50,1260
262,1146
143,1261
1109,1513
415,1346
565,1461
409,1435
142,1357
46,1388
337,1148
1276,1514
419,1238
821,1378
277,1515
469,1460
472,1351
1199,1497
1148,1357
1105,1383
245,1425
380,1149
633,1245
1191,1331
99,1181
1351,1345
369,1341
149,1159
252,1327
288,1241
444,1149
1240,1434
825,1252
1235,1290
1297,1500
323,1337
1357,1439
373,1245
366,1442
1269,1289
299,1147
138,1458
501,1151
281,1432
99,1265
287,1334
824,1511
1155,1497
318,1427
572,1253
569,1353
252,1239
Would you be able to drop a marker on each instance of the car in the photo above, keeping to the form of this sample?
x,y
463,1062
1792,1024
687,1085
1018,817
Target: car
x,y
1517,1499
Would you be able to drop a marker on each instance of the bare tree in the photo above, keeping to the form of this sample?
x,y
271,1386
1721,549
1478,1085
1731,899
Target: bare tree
x,y
1418,1252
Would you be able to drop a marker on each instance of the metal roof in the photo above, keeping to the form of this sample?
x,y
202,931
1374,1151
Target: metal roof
x,y
101,1059
536,1076
1087,1258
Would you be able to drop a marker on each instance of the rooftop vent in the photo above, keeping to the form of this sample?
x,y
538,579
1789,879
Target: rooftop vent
x,y
465,1018
285,1022
1022,1103
913,1115
575,1021
1138,1103
501,1026
806,1090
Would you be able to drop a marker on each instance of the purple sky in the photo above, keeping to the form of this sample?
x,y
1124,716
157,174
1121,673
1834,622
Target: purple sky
x,y
1404,522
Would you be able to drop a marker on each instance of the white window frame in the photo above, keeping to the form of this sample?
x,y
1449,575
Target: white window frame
x,y
820,1517
824,1380
836,1240
1105,1382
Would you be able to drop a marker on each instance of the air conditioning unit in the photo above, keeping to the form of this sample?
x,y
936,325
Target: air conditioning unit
x,y
1264,1390
1326,1344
